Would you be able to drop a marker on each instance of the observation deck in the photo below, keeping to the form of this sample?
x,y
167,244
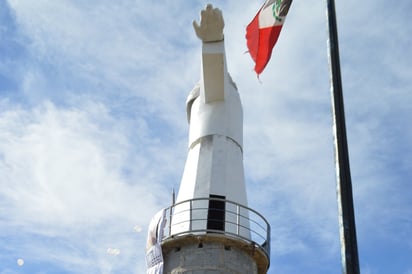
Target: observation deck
x,y
204,221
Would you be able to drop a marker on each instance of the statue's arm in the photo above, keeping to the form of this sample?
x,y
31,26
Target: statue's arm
x,y
210,31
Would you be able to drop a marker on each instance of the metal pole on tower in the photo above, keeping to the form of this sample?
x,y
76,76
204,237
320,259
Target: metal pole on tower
x,y
347,227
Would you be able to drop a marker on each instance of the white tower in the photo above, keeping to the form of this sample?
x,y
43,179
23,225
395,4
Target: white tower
x,y
210,228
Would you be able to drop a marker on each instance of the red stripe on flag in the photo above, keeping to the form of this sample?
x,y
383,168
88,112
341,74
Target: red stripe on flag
x,y
260,42
252,37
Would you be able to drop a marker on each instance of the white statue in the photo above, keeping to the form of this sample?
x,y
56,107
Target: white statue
x,y
214,165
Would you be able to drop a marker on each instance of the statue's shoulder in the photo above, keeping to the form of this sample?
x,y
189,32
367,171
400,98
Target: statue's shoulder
x,y
194,93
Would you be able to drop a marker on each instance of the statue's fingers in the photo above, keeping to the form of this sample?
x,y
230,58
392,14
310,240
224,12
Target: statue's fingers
x,y
196,27
218,17
205,14
221,22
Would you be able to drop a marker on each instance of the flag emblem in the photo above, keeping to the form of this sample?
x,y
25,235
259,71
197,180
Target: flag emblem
x,y
280,9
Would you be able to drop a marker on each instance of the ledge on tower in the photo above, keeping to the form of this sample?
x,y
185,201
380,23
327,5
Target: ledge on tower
x,y
206,222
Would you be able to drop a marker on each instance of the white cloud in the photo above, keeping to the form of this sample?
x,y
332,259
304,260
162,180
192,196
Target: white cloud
x,y
62,179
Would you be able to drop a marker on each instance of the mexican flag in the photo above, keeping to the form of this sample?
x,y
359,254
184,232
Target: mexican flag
x,y
263,32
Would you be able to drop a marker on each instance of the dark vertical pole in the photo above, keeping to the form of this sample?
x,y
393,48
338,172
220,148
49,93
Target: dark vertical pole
x,y
347,227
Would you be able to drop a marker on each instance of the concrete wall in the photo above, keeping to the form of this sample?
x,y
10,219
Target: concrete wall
x,y
208,258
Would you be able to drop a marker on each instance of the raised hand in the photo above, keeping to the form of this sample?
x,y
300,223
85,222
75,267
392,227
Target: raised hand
x,y
211,25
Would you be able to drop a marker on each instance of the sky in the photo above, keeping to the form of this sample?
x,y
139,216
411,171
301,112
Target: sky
x,y
93,130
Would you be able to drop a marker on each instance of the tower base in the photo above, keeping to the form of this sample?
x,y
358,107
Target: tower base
x,y
212,254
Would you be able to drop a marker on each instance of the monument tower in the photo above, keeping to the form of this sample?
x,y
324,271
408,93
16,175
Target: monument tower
x,y
210,228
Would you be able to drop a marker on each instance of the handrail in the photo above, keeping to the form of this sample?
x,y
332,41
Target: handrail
x,y
244,223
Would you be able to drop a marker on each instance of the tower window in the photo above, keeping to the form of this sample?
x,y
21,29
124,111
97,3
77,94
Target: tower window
x,y
216,213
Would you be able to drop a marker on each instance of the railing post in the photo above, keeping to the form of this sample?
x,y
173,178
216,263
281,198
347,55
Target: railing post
x,y
170,219
191,215
268,233
238,219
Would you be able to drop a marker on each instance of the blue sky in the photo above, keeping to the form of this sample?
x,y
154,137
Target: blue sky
x,y
93,132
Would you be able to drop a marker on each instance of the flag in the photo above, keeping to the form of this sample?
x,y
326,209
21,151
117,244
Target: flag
x,y
263,32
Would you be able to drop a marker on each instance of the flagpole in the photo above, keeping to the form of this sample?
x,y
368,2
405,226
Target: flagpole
x,y
347,227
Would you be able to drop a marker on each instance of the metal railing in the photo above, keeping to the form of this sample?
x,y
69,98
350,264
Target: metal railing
x,y
239,222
